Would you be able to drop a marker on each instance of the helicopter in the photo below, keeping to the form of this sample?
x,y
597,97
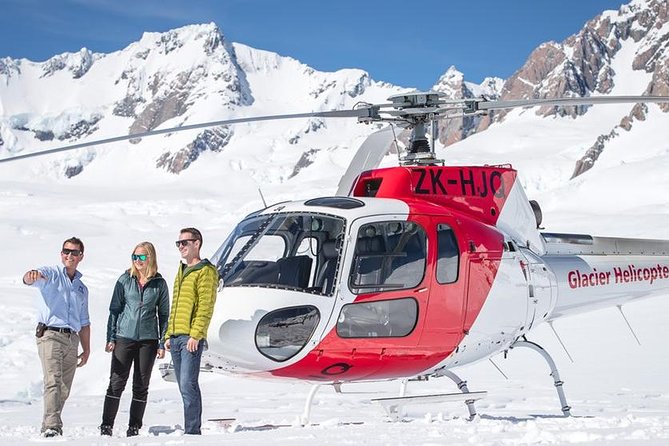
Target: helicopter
x,y
408,272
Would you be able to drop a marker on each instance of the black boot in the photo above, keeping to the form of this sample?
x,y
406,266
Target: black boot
x,y
52,432
133,431
106,429
110,410
137,408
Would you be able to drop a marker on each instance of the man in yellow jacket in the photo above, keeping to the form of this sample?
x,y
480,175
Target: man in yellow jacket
x,y
192,307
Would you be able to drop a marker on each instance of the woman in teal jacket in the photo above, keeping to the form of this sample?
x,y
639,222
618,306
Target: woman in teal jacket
x,y
138,315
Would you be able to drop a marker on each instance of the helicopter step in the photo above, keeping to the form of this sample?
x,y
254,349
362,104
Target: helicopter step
x,y
167,371
392,405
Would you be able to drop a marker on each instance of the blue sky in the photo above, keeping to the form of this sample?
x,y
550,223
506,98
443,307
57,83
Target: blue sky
x,y
408,43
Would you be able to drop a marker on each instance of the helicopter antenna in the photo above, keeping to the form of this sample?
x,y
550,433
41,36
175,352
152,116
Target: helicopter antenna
x,y
620,308
264,203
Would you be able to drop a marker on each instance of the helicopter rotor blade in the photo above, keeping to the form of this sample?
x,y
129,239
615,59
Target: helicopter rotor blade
x,y
407,111
472,106
369,112
369,155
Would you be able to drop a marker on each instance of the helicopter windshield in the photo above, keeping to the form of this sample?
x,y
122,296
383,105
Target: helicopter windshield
x,y
298,251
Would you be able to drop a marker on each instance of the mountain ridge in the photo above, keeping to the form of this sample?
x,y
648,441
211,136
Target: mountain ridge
x,y
194,74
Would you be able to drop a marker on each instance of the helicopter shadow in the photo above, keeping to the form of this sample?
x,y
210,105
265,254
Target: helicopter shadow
x,y
531,417
158,430
259,428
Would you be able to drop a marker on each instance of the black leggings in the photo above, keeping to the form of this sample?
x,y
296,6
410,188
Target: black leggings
x,y
126,353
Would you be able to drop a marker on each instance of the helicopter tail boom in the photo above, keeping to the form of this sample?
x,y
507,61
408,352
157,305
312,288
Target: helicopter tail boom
x,y
598,272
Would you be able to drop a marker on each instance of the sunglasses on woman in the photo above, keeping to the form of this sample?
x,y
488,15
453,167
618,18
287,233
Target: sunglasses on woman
x,y
141,257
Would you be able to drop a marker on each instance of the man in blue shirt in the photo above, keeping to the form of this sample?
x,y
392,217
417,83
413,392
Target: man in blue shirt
x,y
63,323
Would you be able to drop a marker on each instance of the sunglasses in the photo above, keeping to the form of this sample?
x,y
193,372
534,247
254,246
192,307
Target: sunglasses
x,y
184,242
141,257
74,252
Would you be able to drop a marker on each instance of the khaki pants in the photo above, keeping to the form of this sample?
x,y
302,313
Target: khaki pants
x,y
58,353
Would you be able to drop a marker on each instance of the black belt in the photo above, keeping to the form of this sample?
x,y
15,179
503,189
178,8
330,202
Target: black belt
x,y
59,329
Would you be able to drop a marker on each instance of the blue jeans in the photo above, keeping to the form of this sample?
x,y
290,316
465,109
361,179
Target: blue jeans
x,y
187,370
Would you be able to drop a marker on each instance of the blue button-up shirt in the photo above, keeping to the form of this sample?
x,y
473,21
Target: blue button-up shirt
x,y
64,302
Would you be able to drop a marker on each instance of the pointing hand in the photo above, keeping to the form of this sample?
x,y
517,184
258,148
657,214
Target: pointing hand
x,y
32,276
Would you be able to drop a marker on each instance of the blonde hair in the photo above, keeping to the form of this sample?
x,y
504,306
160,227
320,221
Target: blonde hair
x,y
152,267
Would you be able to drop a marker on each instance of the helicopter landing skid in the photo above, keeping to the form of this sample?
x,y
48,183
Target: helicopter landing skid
x,y
462,385
566,408
392,405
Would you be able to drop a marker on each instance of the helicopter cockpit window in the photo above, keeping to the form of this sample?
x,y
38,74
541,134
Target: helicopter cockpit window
x,y
378,319
388,255
281,334
297,251
268,248
448,255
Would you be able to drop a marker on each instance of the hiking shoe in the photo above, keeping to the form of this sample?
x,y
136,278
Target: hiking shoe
x,y
106,429
51,432
133,431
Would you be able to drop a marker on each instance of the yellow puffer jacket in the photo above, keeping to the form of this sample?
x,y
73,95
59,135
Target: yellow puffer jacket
x,y
193,300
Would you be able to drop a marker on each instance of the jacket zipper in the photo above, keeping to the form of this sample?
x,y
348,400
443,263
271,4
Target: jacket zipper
x,y
141,304
176,298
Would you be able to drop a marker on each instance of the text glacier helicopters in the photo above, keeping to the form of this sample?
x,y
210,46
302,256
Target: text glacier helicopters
x,y
412,270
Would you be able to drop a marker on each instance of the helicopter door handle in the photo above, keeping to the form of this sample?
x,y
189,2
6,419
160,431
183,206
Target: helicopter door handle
x,y
421,290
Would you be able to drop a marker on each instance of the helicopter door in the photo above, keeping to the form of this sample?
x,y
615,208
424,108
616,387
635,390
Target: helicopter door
x,y
541,282
383,291
446,307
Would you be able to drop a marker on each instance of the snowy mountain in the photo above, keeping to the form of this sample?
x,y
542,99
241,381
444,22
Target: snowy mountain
x,y
583,64
184,76
193,74
618,52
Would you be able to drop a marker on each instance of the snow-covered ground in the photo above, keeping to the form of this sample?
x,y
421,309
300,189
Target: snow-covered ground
x,y
619,390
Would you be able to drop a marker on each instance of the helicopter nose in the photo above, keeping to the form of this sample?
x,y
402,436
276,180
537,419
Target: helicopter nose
x,y
256,330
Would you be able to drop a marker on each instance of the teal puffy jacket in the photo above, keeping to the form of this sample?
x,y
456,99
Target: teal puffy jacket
x,y
138,315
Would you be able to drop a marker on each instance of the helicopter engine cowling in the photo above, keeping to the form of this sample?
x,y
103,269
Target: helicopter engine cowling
x,y
492,194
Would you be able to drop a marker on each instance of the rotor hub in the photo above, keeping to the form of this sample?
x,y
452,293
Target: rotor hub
x,y
418,110
416,99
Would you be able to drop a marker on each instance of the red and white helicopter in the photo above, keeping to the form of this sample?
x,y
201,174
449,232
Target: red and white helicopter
x,y
410,271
